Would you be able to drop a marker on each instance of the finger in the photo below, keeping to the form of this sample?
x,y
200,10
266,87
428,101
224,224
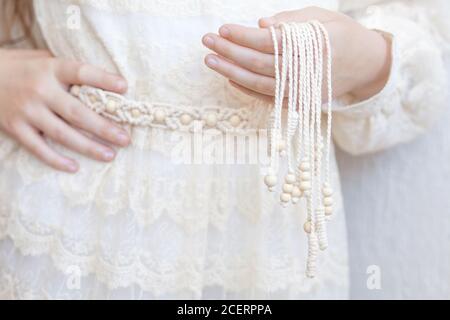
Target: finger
x,y
302,15
72,72
30,138
250,59
62,133
77,114
251,93
260,96
266,22
286,16
254,38
27,54
250,80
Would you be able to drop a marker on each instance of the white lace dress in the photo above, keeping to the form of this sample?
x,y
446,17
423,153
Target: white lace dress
x,y
148,227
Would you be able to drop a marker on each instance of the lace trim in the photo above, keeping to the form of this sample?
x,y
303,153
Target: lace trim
x,y
72,240
162,115
158,277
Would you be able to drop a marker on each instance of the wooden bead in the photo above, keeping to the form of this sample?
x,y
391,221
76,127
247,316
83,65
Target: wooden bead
x,y
305,166
160,116
135,113
111,106
92,98
75,90
211,119
328,201
185,119
290,178
328,210
288,188
270,180
307,227
285,197
327,191
296,192
305,176
305,185
235,120
281,146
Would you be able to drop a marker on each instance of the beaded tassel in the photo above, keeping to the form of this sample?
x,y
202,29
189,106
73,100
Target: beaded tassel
x,y
304,46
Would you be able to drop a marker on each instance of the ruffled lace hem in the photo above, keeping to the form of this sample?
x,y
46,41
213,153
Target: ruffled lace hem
x,y
189,275
283,280
168,231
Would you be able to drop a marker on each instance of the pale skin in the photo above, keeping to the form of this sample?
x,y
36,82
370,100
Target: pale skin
x,y
35,104
361,59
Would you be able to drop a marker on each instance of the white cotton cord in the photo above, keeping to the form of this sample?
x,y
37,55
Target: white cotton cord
x,y
274,135
291,86
313,250
284,74
283,78
300,75
327,190
311,198
278,104
329,64
300,102
295,114
317,107
320,210
303,48
302,98
315,115
292,117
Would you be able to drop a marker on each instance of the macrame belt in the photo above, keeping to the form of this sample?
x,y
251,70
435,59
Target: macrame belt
x,y
162,115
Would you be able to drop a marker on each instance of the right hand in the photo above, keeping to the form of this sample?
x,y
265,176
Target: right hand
x,y
35,102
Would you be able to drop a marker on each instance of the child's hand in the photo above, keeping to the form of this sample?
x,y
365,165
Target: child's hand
x,y
34,101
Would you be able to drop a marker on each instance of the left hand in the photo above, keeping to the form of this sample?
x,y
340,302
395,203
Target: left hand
x,y
244,55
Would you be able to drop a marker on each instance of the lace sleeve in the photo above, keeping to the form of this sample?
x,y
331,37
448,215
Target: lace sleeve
x,y
416,91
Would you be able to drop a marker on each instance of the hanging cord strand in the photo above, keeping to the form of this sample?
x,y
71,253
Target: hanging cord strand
x,y
292,116
329,63
300,102
327,190
284,69
278,103
299,71
290,77
320,210
313,245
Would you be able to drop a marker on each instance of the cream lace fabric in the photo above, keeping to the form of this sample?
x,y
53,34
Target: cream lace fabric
x,y
147,226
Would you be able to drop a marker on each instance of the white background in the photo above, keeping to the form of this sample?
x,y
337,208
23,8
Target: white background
x,y
398,217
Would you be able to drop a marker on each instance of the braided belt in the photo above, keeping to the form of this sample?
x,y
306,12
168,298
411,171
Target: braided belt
x,y
162,115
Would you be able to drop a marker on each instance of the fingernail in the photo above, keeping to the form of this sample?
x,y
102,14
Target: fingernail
x,y
121,84
211,61
71,165
107,154
208,41
123,138
269,20
224,32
